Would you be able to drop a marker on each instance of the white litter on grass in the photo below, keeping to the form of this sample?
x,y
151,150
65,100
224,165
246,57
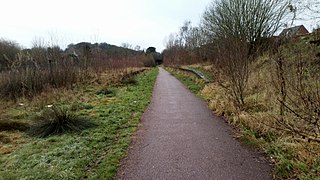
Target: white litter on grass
x,y
21,104
49,106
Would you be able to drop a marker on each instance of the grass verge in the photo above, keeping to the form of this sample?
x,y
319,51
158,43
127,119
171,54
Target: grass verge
x,y
203,70
188,79
93,153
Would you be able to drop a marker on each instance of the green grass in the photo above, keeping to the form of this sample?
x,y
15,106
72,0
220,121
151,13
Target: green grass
x,y
188,81
203,72
250,138
285,163
93,153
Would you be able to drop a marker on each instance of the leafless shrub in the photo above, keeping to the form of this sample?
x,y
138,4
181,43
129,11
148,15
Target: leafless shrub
x,y
32,71
184,47
8,51
31,79
298,85
232,64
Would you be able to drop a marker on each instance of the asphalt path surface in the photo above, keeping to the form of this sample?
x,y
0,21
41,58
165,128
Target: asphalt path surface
x,y
180,138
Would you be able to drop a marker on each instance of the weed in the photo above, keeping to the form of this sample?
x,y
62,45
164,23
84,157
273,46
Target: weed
x,y
284,168
303,167
317,165
128,79
107,92
59,120
276,150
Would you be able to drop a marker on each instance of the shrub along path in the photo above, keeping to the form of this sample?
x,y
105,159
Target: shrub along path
x,y
180,138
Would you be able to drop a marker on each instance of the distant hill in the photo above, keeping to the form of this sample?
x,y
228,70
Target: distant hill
x,y
109,49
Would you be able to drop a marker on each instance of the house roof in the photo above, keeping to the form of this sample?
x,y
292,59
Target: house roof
x,y
292,31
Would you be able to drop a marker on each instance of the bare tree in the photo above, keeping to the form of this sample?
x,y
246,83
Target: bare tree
x,y
184,47
171,41
8,52
233,66
126,45
234,29
248,19
305,10
39,50
137,48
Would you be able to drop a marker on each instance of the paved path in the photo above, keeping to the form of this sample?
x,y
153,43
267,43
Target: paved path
x,y
180,138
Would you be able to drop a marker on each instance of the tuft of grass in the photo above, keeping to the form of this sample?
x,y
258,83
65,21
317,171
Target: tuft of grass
x,y
59,120
249,138
129,80
285,164
316,166
107,92
284,168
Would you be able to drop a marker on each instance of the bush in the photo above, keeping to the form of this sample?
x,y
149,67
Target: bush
x,y
59,120
129,80
149,61
8,51
297,83
233,66
106,92
34,78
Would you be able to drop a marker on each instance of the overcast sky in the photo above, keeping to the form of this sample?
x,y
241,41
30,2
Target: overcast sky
x,y
137,22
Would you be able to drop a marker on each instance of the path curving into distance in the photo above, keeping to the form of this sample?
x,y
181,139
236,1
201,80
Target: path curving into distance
x,y
180,138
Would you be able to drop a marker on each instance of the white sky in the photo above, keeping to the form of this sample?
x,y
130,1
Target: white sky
x,y
137,22
308,13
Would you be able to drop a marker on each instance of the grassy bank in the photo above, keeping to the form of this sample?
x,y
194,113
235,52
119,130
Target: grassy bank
x,y
188,79
92,153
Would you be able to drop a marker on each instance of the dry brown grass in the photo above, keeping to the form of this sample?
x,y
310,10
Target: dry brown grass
x,y
10,141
